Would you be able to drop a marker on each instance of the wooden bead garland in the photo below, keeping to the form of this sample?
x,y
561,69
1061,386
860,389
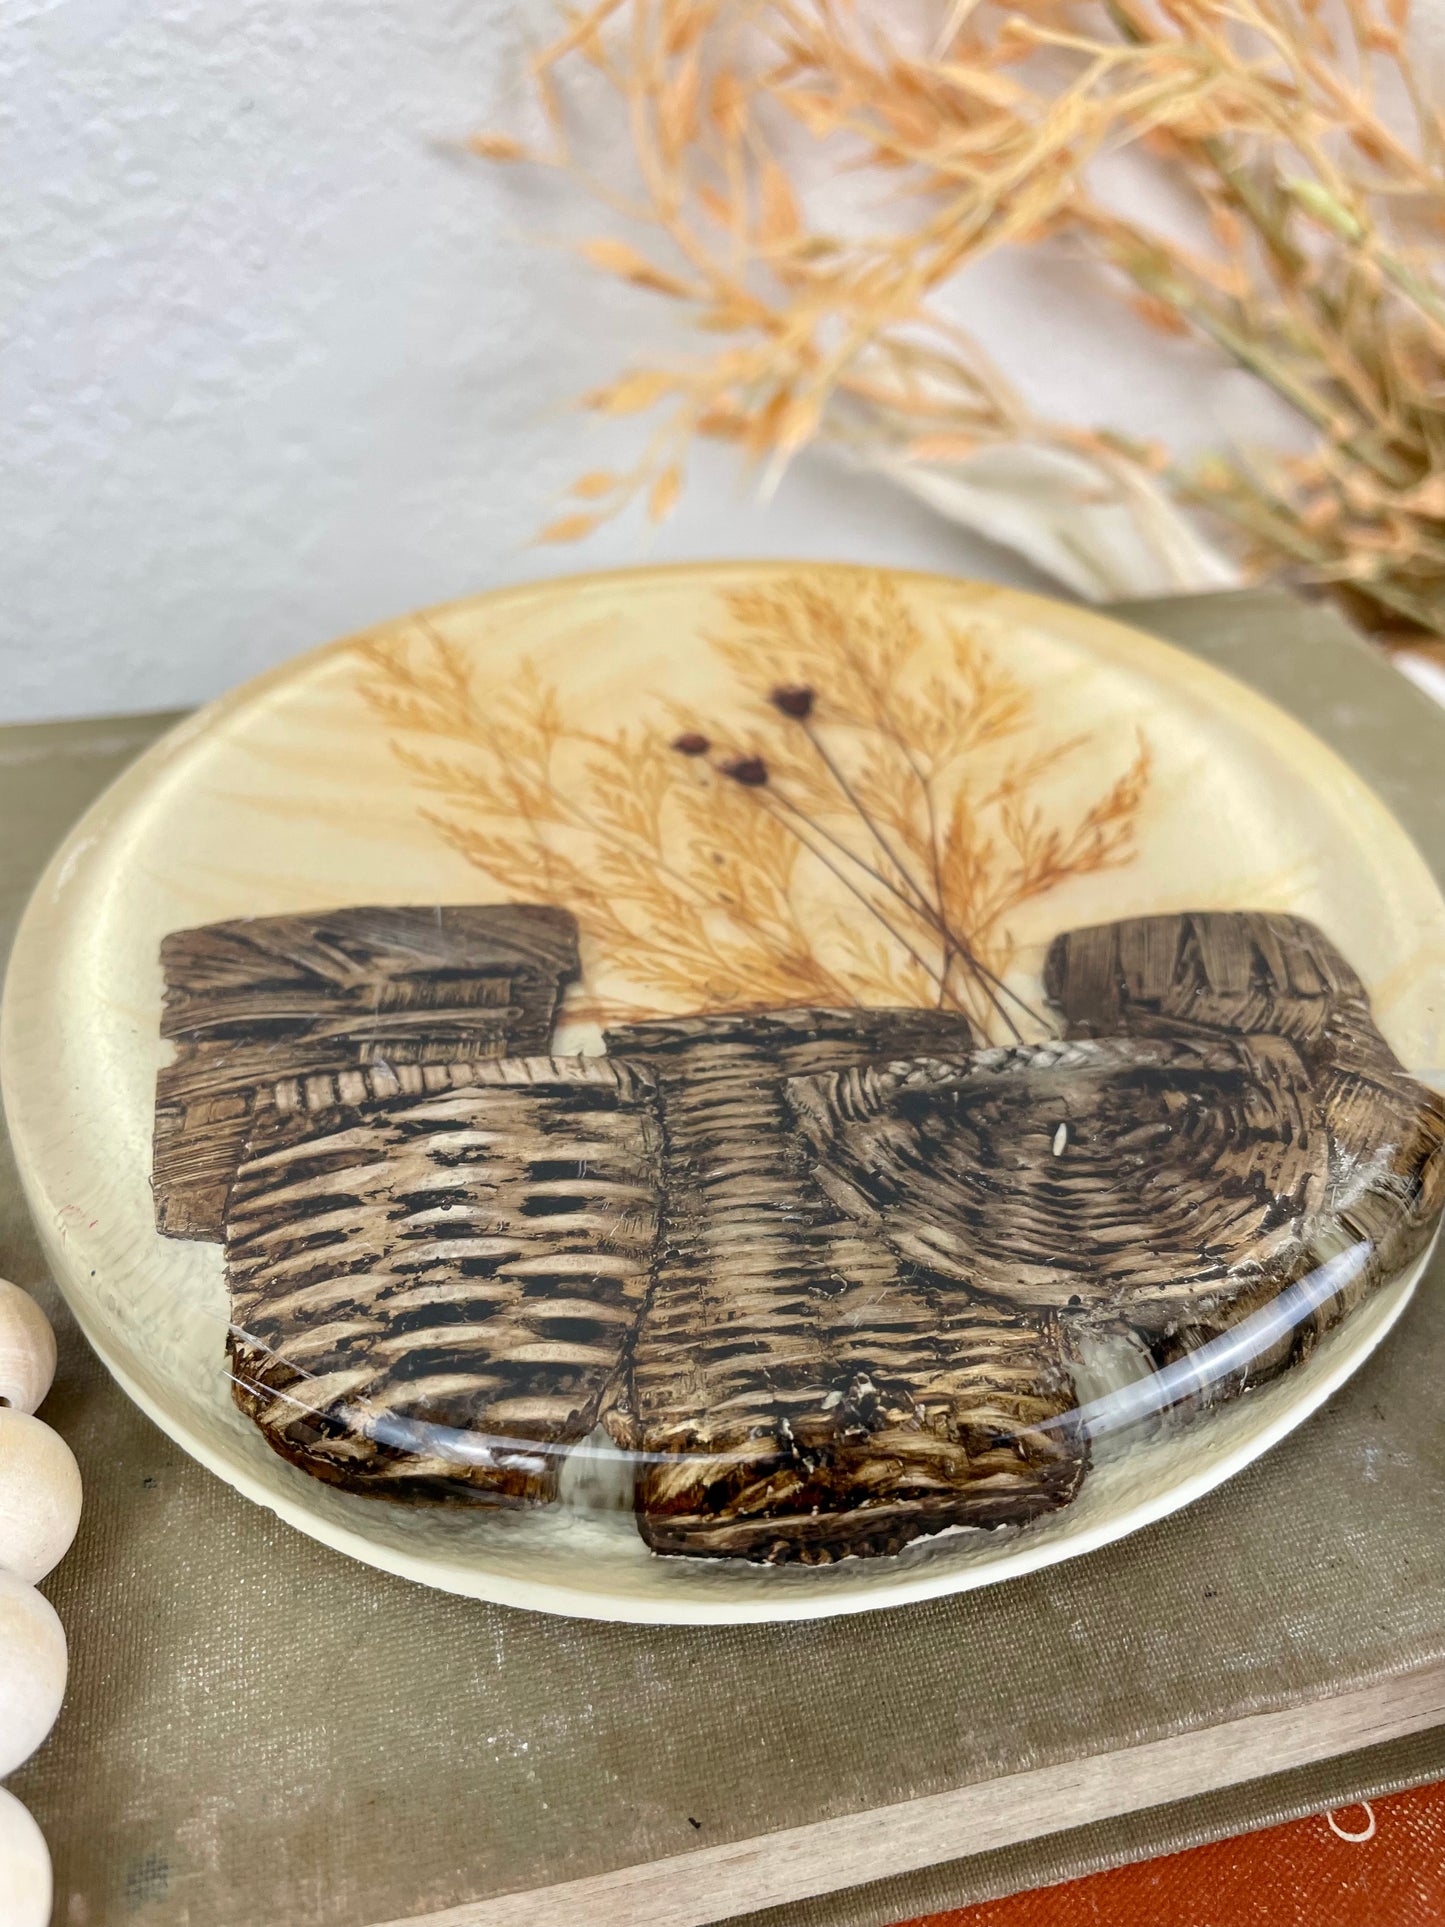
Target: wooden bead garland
x,y
39,1511
27,1350
25,1878
39,1496
32,1670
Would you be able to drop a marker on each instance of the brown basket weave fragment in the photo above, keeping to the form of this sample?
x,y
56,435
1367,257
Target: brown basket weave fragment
x,y
1256,973
798,1392
253,1001
1119,1180
432,1296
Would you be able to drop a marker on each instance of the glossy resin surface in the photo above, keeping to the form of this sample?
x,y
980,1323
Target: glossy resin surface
x,y
733,1092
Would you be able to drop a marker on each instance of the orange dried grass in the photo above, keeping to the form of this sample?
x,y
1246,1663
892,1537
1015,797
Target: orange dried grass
x,y
695,891
1303,142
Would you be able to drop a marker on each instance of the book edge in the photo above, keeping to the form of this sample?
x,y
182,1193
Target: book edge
x,y
798,1863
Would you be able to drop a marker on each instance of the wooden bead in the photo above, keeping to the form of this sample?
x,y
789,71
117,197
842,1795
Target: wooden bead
x,y
39,1496
27,1349
32,1670
25,1877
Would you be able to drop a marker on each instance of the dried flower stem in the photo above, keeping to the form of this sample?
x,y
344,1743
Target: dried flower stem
x,y
919,901
810,835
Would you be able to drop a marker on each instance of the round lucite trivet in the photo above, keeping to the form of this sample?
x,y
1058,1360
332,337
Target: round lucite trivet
x,y
732,1092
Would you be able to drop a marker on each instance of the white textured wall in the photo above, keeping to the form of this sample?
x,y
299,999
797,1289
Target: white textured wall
x,y
277,363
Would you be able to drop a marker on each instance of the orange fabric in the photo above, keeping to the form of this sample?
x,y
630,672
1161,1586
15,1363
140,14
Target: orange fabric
x,y
1300,1875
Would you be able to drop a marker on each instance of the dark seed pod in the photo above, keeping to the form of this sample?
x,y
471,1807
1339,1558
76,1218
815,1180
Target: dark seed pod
x,y
750,771
795,701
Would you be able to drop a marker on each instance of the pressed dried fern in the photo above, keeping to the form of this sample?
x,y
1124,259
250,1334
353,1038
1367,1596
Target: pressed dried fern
x,y
696,858
1301,139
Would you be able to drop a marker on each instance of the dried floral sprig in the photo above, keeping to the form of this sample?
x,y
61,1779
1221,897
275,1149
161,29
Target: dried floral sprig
x,y
692,850
897,878
1306,147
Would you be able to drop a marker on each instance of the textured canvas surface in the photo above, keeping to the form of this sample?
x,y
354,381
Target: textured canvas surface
x,y
261,1734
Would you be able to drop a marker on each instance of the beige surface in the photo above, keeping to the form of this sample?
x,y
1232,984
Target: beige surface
x,y
293,794
263,1734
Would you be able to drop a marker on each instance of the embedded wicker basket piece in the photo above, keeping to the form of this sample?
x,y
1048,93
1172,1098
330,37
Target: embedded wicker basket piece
x,y
834,1277
797,1391
1266,975
251,1001
436,1293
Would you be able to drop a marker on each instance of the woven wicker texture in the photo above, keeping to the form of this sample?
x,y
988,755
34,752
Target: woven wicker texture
x,y
351,988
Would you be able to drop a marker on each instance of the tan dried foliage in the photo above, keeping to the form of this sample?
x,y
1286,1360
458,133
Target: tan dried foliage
x,y
901,824
1298,132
